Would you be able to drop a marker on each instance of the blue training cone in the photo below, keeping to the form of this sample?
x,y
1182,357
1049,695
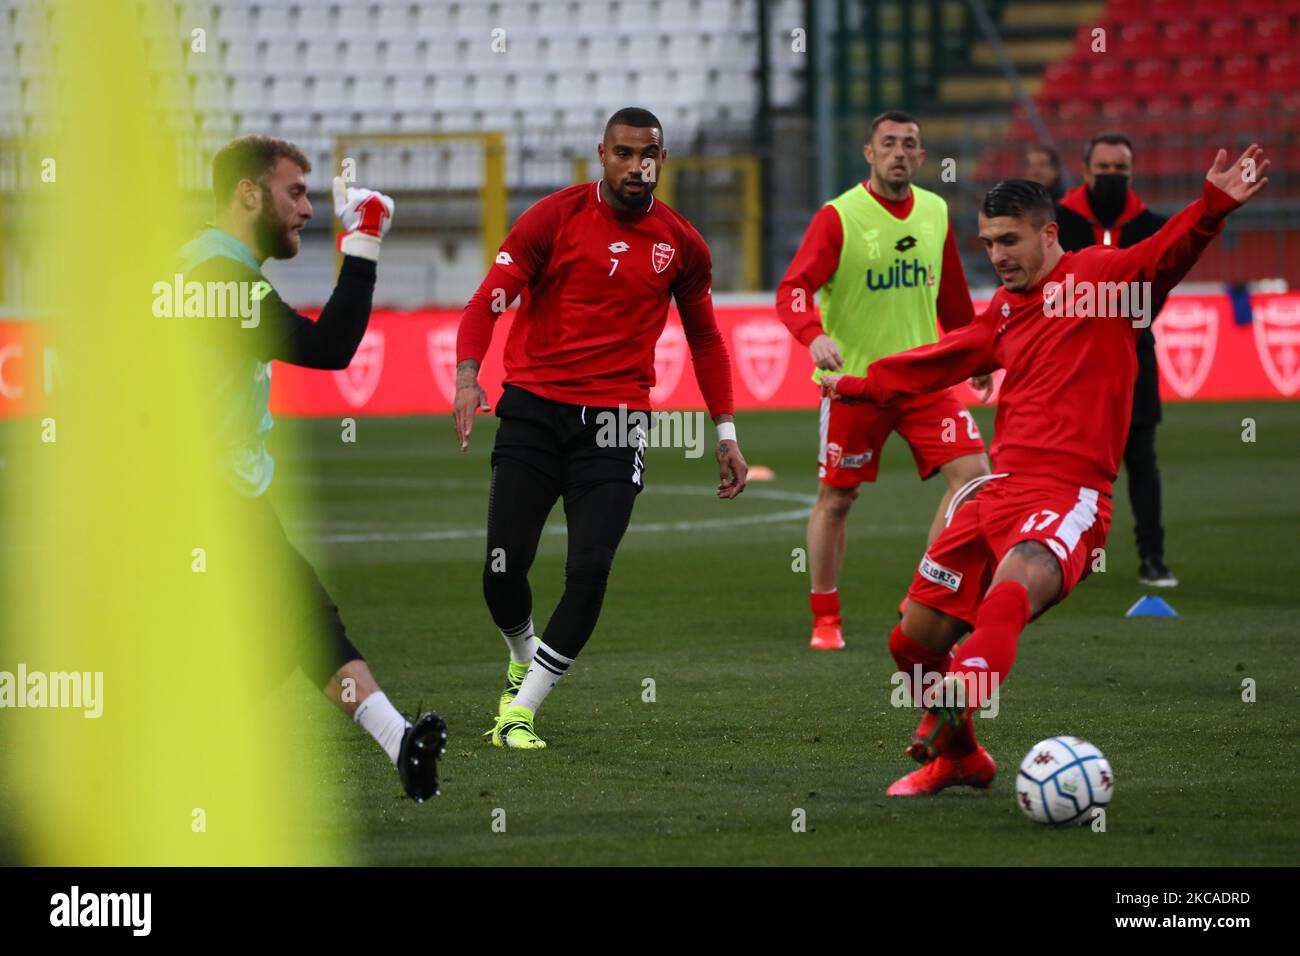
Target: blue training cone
x,y
1148,606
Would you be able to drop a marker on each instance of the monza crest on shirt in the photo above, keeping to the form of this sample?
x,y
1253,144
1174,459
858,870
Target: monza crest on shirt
x,y
661,254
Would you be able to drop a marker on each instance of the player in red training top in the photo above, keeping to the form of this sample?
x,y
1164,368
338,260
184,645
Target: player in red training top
x,y
599,262
1063,326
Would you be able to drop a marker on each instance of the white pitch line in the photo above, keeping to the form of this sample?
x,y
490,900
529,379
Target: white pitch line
x,y
653,527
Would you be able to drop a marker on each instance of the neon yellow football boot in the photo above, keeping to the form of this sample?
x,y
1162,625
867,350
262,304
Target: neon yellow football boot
x,y
514,728
514,677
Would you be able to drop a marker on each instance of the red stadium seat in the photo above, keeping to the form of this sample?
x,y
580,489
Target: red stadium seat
x,y
1196,75
1062,81
1119,111
1150,76
1251,101
1158,161
1240,72
1137,38
1206,114
1215,9
1163,114
1282,71
1181,37
1194,157
1273,35
1250,113
1074,119
1288,101
1226,37
1108,77
1168,9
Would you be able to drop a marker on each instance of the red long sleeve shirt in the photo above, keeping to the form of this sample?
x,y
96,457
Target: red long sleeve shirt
x,y
819,256
596,290
1067,396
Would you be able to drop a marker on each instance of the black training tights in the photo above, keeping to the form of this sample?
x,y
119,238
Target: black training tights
x,y
598,515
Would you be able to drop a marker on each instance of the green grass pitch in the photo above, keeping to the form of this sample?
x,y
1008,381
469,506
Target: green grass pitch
x,y
748,724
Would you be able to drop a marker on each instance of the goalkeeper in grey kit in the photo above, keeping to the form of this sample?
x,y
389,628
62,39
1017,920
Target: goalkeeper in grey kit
x,y
259,184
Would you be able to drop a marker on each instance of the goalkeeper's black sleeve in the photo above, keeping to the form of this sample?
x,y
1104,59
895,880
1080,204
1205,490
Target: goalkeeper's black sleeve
x,y
281,333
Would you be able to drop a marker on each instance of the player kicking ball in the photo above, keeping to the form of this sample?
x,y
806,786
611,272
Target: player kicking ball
x,y
261,197
1025,538
600,262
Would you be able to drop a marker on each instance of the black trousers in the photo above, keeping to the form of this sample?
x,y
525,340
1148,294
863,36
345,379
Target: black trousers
x,y
545,451
1144,490
288,598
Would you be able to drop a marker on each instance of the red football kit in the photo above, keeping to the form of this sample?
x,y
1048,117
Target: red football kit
x,y
1063,412
937,428
598,285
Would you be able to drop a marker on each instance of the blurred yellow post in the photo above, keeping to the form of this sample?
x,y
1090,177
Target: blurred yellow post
x,y
131,570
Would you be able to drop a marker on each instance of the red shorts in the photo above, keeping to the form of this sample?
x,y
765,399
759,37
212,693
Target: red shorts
x,y
956,570
937,428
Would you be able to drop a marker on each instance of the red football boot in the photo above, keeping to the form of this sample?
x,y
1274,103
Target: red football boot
x,y
937,726
932,735
827,633
974,770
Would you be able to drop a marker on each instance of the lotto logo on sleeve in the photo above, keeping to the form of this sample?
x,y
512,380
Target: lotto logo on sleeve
x,y
944,577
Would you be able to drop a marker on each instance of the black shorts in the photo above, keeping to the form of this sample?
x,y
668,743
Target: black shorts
x,y
572,445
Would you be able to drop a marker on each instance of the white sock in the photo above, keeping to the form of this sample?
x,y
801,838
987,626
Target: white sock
x,y
380,719
544,673
522,641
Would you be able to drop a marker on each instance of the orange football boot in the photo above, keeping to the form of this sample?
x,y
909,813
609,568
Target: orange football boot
x,y
827,633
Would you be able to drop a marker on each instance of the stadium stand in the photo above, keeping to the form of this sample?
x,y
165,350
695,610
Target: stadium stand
x,y
729,78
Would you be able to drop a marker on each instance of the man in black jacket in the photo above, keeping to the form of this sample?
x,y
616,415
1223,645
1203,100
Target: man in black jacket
x,y
1106,210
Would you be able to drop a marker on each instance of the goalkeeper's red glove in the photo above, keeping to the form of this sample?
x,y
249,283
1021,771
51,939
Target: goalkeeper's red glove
x,y
366,216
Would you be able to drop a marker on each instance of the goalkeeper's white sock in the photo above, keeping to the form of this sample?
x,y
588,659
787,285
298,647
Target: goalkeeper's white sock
x,y
380,719
522,641
543,673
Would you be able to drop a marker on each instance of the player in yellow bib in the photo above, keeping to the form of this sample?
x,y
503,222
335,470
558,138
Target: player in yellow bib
x,y
884,258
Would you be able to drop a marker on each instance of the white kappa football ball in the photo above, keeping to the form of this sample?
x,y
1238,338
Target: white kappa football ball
x,y
1062,779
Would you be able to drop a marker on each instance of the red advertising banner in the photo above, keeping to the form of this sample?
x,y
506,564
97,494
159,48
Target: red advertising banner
x,y
406,364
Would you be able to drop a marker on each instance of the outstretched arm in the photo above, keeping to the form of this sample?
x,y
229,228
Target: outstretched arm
x,y
1164,258
955,358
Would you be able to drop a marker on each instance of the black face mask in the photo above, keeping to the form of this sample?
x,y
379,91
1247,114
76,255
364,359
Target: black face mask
x,y
1107,196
